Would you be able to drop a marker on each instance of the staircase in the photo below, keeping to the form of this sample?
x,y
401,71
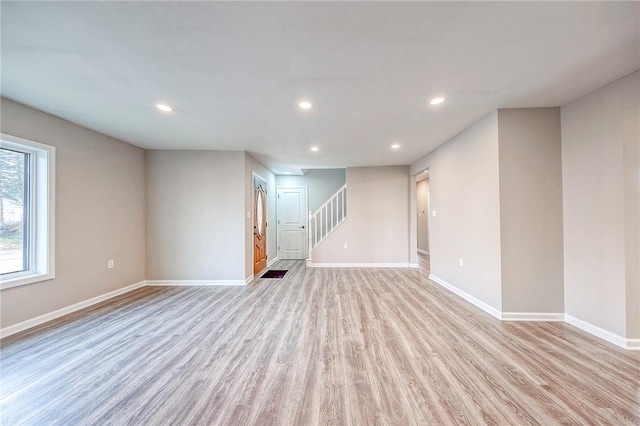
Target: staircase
x,y
327,218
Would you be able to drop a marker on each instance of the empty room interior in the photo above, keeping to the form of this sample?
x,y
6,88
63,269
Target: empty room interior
x,y
305,213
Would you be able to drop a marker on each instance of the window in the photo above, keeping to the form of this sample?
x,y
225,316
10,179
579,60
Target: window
x,y
26,211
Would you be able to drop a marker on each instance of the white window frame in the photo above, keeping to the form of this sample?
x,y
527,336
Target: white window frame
x,y
41,235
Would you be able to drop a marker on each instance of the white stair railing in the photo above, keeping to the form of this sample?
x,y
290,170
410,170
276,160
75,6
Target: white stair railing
x,y
327,218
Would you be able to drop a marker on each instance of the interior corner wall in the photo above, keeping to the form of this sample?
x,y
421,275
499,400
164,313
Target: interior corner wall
x,y
195,215
377,227
99,215
531,210
464,193
321,184
597,192
254,166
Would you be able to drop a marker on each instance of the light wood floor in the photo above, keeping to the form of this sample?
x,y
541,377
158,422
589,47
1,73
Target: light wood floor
x,y
321,346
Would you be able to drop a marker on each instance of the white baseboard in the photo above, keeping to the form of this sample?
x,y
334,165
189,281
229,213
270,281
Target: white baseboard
x,y
196,282
630,344
602,333
310,264
466,296
33,322
423,251
272,261
633,344
414,265
532,316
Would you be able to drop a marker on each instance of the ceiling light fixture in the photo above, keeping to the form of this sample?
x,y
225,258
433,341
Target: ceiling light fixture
x,y
437,101
395,146
164,107
305,105
286,173
315,149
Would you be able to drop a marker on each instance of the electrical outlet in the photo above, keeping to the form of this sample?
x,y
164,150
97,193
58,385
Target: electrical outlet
x,y
461,261
346,245
110,264
433,213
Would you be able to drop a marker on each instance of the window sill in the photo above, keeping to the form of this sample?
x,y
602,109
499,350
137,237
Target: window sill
x,y
24,280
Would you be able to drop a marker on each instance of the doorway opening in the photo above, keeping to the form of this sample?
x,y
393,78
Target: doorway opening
x,y
423,206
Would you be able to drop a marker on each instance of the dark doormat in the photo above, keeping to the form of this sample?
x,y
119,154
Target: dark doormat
x,y
275,273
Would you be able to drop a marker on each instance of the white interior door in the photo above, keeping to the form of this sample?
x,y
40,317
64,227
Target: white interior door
x,y
292,223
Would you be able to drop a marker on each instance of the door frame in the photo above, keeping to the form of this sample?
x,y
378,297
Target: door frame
x,y
427,212
306,216
255,176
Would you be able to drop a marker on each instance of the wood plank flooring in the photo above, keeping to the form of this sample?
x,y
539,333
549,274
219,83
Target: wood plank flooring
x,y
318,347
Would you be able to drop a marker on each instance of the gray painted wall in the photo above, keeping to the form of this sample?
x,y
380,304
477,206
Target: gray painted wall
x,y
196,215
598,228
210,195
100,214
464,188
422,213
377,225
321,184
531,210
631,153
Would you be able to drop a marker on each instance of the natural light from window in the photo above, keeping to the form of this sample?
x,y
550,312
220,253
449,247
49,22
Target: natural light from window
x,y
14,181
26,211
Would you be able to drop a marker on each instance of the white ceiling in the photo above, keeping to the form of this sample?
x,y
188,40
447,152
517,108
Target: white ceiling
x,y
236,71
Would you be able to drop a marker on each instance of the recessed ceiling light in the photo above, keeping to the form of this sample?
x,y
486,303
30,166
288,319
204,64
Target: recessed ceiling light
x,y
305,105
437,101
164,107
395,146
286,173
315,148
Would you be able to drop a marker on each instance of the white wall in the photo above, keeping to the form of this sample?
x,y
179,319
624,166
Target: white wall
x,y
422,205
377,226
196,215
464,189
531,210
321,184
254,166
598,229
100,214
